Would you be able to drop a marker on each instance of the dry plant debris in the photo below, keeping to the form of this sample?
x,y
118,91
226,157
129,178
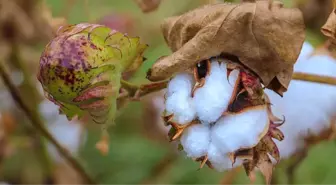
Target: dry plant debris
x,y
267,41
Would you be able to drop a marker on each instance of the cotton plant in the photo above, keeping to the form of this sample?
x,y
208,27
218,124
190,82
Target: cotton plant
x,y
215,102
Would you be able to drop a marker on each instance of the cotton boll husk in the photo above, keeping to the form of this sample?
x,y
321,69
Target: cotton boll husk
x,y
213,98
195,140
243,130
308,107
178,98
219,160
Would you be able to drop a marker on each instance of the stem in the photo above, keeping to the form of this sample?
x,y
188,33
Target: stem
x,y
28,87
36,122
138,91
160,168
230,176
314,78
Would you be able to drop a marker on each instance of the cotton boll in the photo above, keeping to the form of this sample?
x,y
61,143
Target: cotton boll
x,y
48,110
195,140
219,160
307,106
306,50
291,128
178,98
213,98
68,134
159,105
242,130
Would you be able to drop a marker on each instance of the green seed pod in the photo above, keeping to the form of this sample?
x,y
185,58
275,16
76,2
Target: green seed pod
x,y
80,69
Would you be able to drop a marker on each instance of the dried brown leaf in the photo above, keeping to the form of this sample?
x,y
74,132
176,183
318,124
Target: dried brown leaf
x,y
266,41
315,12
329,28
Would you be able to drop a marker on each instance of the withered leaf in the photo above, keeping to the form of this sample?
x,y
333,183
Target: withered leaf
x,y
267,41
315,12
329,28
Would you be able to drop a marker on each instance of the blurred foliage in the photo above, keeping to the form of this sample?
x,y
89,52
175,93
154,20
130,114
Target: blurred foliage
x,y
133,156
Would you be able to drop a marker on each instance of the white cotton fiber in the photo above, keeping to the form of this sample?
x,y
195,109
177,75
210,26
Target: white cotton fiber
x,y
195,140
68,134
213,98
305,53
48,110
242,130
219,160
307,106
178,98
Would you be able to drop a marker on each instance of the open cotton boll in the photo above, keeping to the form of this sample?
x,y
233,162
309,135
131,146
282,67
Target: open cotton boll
x,y
243,130
178,98
307,106
195,140
305,53
48,110
220,161
213,98
68,134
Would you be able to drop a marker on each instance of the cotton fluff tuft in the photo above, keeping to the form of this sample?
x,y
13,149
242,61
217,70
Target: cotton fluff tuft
x,y
221,161
67,133
243,130
217,136
195,140
178,98
227,135
49,110
213,98
307,106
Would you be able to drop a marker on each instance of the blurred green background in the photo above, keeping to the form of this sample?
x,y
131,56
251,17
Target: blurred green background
x,y
139,152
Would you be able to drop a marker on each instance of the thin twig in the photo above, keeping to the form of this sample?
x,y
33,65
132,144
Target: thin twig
x,y
160,168
230,176
314,78
36,122
16,59
298,158
138,91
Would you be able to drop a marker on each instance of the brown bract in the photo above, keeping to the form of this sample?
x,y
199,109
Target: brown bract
x,y
265,40
329,28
